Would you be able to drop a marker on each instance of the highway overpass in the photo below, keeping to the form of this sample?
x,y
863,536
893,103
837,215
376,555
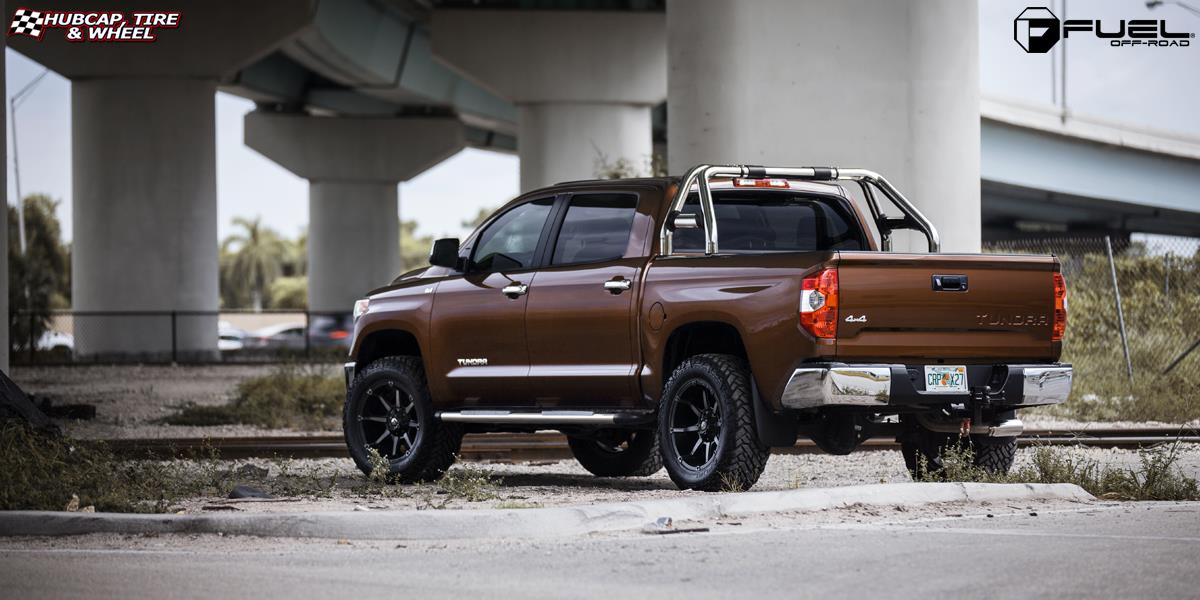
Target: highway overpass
x,y
358,95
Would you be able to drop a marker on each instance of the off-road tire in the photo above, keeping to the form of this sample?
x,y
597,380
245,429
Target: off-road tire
x,y
638,457
739,458
995,455
436,446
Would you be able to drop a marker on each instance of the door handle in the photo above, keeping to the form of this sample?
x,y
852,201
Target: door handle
x,y
949,283
616,286
513,290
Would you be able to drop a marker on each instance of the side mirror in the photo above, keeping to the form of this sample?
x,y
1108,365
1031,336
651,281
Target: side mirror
x,y
683,221
444,253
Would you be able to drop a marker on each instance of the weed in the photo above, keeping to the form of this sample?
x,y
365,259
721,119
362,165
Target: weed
x,y
381,469
290,397
730,483
469,483
43,472
1157,477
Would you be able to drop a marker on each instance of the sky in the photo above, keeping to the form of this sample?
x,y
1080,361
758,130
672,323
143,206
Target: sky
x,y
1148,87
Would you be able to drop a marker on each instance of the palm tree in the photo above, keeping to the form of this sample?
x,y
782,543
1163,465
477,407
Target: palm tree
x,y
258,254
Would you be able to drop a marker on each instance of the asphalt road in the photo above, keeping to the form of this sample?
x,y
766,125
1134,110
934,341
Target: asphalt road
x,y
1125,551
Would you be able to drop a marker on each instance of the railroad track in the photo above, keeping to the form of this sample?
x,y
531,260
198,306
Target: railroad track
x,y
552,445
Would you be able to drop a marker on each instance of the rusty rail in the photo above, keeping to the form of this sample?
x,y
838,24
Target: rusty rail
x,y
552,446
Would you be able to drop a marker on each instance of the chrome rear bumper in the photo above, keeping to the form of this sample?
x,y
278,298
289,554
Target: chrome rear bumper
x,y
891,384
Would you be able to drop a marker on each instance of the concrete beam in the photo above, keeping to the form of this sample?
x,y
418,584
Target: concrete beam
x,y
214,38
382,149
584,82
557,56
814,83
354,166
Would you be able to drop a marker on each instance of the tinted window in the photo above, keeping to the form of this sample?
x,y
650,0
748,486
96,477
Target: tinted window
x,y
513,235
772,222
595,228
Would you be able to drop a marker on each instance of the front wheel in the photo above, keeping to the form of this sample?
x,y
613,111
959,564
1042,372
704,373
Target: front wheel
x,y
389,418
706,425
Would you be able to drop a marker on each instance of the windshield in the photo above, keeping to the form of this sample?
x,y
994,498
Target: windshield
x,y
757,221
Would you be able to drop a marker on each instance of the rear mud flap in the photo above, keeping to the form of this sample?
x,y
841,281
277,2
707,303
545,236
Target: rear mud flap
x,y
775,429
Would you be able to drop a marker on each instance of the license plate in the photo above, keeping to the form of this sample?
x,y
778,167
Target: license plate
x,y
946,379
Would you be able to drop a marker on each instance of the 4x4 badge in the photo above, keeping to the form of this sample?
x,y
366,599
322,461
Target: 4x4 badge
x,y
854,319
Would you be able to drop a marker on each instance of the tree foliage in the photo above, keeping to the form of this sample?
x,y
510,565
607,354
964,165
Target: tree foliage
x,y
250,260
39,280
414,249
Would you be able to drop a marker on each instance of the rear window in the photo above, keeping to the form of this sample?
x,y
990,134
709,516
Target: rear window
x,y
773,222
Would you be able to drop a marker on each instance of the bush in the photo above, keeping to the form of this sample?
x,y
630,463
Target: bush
x,y
290,397
1157,477
43,472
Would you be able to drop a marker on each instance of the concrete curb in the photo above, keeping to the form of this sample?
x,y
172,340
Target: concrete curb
x,y
526,523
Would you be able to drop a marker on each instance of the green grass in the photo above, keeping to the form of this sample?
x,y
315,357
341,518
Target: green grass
x,y
1157,477
289,397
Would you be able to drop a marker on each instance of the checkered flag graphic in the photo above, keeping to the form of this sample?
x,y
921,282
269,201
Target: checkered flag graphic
x,y
26,22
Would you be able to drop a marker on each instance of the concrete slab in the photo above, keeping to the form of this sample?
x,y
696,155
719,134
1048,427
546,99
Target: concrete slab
x,y
526,523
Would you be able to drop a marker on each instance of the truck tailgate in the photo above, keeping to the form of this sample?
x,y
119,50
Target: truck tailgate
x,y
890,307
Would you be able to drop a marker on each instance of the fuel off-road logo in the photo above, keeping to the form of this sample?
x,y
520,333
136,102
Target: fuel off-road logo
x,y
1037,30
93,26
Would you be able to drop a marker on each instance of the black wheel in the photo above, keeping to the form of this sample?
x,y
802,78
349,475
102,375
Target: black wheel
x,y
706,425
388,410
618,453
995,455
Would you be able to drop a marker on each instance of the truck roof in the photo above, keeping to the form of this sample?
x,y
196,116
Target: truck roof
x,y
818,187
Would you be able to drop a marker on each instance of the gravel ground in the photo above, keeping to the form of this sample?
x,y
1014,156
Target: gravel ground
x,y
131,399
562,483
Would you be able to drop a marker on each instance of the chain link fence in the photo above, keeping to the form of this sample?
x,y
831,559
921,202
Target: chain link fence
x,y
1133,324
59,337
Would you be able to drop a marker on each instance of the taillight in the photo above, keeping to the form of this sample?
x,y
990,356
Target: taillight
x,y
762,183
818,304
1060,308
339,334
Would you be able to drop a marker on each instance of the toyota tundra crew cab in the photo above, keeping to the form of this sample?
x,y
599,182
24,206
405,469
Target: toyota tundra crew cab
x,y
695,322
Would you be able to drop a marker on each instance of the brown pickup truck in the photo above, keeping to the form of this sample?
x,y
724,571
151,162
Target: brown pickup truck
x,y
697,322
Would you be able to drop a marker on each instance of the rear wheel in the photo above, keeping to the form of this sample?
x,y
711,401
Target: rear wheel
x,y
389,412
706,425
618,453
994,455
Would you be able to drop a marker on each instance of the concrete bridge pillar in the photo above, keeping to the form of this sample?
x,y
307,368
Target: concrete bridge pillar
x,y
584,82
819,83
144,170
353,166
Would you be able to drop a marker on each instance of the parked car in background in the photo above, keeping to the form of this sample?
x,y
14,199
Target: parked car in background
x,y
56,341
330,330
230,338
286,336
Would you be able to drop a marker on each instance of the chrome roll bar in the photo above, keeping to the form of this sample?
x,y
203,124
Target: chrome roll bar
x,y
700,175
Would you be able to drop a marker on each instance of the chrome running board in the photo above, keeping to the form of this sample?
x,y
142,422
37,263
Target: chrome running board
x,y
545,417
